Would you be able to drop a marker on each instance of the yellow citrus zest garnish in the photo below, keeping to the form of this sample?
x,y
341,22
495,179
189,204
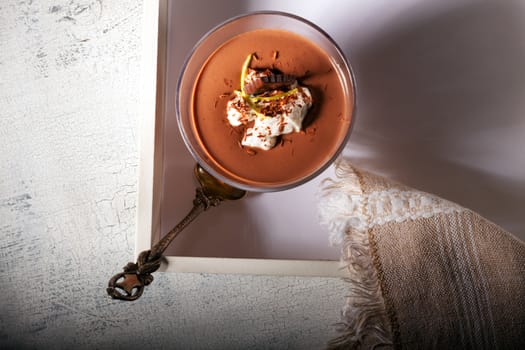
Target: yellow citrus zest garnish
x,y
244,72
276,96
252,105
253,100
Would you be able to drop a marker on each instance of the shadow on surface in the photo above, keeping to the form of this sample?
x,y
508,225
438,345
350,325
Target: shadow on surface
x,y
440,108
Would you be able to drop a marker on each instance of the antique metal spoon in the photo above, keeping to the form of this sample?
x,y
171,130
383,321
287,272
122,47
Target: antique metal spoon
x,y
129,284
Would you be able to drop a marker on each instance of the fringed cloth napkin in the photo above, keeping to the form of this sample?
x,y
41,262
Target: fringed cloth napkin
x,y
425,273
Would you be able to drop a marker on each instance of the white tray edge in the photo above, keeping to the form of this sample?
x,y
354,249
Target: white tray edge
x,y
272,267
150,147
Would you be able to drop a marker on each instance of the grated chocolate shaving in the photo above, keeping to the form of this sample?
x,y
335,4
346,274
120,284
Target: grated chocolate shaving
x,y
250,151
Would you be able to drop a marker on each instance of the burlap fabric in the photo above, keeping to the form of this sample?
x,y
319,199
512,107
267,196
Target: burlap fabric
x,y
425,273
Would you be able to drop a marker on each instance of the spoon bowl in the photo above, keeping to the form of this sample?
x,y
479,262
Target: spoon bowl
x,y
212,186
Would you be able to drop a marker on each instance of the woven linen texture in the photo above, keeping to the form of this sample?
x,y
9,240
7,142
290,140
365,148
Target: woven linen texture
x,y
444,277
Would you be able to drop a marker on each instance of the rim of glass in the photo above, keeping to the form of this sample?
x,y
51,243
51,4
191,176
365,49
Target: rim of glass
x,y
293,183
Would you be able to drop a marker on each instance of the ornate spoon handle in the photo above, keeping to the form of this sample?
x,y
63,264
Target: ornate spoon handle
x,y
129,284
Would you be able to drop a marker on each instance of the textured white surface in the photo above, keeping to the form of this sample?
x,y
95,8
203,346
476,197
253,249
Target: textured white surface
x,y
441,109
69,118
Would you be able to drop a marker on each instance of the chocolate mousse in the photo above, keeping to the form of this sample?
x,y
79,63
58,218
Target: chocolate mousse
x,y
291,156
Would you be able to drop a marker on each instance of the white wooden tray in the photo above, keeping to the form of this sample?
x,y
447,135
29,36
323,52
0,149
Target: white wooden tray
x,y
270,233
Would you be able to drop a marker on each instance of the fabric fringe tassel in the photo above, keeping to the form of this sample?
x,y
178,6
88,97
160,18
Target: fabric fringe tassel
x,y
342,209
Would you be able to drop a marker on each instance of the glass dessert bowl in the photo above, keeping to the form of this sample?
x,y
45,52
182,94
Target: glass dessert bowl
x,y
265,101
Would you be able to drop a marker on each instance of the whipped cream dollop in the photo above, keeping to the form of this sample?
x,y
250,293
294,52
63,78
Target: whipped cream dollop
x,y
269,113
